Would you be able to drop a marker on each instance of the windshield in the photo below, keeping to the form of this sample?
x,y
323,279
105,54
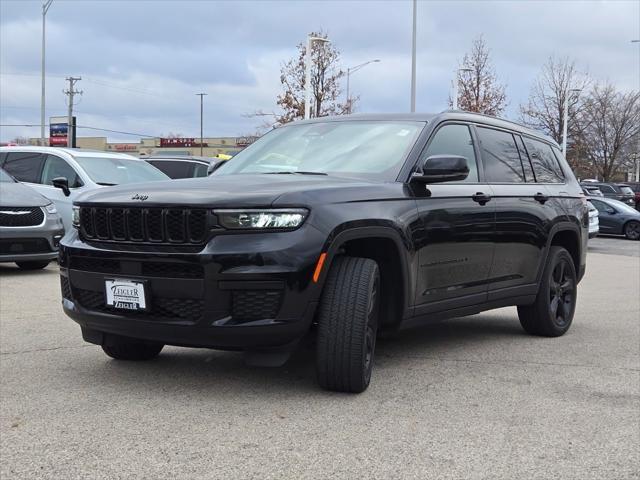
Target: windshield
x,y
117,171
5,177
374,150
626,190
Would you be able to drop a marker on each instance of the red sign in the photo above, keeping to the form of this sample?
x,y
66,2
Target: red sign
x,y
125,147
180,143
58,141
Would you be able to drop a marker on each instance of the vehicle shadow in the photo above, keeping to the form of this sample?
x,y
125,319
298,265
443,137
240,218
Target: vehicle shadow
x,y
11,269
222,374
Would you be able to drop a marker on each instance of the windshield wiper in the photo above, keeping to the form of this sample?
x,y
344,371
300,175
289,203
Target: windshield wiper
x,y
297,172
105,184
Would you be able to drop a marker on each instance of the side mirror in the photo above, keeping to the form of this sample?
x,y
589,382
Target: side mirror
x,y
63,184
441,168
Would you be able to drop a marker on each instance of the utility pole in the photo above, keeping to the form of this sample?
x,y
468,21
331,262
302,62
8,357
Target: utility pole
x,y
413,58
71,92
307,75
45,8
201,95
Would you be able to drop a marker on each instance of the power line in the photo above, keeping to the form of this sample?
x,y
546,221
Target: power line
x,y
80,126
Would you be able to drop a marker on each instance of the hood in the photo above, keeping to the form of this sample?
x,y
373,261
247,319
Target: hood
x,y
19,195
227,191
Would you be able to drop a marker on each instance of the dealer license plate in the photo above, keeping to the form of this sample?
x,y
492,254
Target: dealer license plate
x,y
125,294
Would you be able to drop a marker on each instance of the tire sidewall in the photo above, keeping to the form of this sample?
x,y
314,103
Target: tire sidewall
x,y
557,255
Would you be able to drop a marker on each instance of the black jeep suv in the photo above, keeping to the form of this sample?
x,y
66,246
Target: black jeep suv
x,y
347,227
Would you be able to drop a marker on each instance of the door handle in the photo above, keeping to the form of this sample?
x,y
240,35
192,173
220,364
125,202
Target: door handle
x,y
540,197
481,198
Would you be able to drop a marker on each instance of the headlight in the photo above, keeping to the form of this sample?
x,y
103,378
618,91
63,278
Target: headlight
x,y
75,217
284,218
51,208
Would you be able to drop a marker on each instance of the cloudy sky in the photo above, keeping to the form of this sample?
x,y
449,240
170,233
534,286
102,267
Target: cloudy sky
x,y
142,61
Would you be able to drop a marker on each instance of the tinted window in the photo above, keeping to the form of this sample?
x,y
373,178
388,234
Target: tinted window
x,y
25,166
454,140
174,169
601,206
55,167
626,190
200,170
607,189
526,163
500,156
545,165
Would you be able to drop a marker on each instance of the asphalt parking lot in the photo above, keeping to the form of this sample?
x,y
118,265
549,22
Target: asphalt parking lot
x,y
467,398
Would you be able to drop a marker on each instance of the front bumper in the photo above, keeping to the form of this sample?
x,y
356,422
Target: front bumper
x,y
37,243
241,291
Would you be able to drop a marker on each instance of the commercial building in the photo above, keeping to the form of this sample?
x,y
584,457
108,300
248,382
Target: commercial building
x,y
165,146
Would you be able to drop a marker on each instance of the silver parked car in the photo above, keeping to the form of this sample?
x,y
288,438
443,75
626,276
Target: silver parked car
x,y
30,227
61,174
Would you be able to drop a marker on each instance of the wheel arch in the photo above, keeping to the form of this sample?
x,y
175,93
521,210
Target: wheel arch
x,y
566,235
386,246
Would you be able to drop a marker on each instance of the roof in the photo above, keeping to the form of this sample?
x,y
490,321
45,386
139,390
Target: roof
x,y
191,158
74,152
436,118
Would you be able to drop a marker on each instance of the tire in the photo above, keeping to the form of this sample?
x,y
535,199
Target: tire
x,y
552,312
122,348
33,265
347,325
632,230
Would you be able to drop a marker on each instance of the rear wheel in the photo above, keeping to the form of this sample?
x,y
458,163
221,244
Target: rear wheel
x,y
552,312
32,265
347,325
632,230
122,348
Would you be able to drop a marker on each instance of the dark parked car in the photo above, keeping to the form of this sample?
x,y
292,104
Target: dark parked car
x,y
617,218
613,190
185,167
346,227
30,227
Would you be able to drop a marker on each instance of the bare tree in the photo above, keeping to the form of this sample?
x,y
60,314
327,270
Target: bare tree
x,y
609,129
544,109
478,87
325,82
20,140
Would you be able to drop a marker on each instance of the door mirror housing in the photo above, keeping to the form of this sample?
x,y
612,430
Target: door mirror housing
x,y
442,168
63,184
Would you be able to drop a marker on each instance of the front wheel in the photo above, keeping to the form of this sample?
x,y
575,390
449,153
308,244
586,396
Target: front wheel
x,y
347,325
632,230
552,312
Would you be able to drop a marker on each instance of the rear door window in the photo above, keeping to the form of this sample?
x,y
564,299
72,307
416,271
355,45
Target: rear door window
x,y
454,139
25,166
544,162
500,157
174,169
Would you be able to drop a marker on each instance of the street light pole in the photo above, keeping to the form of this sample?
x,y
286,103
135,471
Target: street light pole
x,y
565,119
455,87
45,8
354,70
201,95
307,75
413,58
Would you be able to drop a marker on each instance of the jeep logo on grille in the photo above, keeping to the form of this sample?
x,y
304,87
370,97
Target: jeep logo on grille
x,y
137,196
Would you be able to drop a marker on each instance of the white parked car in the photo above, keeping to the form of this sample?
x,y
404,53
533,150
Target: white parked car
x,y
594,220
61,174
